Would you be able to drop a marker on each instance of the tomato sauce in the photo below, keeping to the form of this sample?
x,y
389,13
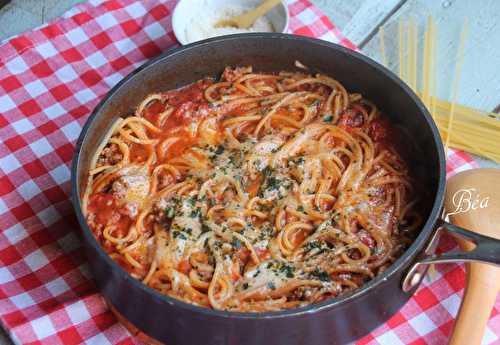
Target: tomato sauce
x,y
138,153
299,237
193,93
350,119
263,254
243,254
386,136
380,130
152,111
107,211
122,226
366,238
103,206
189,104
253,187
184,266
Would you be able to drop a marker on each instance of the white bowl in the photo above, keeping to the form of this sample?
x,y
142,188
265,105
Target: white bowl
x,y
189,12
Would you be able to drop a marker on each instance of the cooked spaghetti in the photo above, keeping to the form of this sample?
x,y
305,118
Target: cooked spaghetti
x,y
257,192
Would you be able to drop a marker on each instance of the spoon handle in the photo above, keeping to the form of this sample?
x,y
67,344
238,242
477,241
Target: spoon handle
x,y
481,190
483,283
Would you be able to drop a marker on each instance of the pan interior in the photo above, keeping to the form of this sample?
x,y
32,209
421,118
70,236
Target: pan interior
x,y
274,53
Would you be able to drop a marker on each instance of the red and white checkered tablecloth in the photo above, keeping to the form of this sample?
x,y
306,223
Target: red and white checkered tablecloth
x,y
50,80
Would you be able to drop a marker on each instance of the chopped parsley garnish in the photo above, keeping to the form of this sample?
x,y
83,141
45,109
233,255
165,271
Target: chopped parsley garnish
x,y
233,160
245,286
300,208
273,183
178,234
219,150
312,245
328,118
267,171
236,243
264,207
195,213
204,228
169,212
298,160
280,267
288,270
192,200
321,275
271,286
265,233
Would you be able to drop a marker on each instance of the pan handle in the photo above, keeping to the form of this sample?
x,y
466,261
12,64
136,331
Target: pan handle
x,y
486,250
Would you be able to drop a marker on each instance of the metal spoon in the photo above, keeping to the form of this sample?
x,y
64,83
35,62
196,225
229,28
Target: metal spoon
x,y
247,19
473,198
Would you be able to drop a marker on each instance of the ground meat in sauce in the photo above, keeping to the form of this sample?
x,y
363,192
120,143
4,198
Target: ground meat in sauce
x,y
302,293
103,210
164,180
159,213
111,155
379,130
351,119
231,74
93,223
119,187
366,238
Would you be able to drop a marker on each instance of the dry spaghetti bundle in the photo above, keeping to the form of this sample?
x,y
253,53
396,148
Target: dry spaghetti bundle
x,y
461,127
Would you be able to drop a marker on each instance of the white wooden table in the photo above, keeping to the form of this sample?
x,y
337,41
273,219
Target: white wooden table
x,y
360,20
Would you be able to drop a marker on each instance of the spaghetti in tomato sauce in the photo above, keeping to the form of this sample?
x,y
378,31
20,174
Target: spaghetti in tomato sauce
x,y
256,192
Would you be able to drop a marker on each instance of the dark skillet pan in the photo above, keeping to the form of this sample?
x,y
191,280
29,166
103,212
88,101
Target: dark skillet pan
x,y
334,321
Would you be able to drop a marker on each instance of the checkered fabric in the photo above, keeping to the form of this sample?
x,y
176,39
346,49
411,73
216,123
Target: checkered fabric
x,y
50,80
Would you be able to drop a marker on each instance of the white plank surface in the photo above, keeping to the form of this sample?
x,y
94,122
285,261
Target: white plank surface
x,y
22,15
340,11
367,19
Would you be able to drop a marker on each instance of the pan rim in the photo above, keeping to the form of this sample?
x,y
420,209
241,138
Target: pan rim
x,y
331,303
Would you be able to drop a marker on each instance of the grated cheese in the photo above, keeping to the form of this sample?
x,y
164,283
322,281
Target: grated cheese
x,y
203,27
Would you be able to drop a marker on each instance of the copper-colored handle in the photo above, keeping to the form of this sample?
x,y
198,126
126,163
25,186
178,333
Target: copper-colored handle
x,y
480,294
473,201
477,207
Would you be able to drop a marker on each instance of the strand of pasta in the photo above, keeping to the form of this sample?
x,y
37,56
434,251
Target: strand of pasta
x,y
456,82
